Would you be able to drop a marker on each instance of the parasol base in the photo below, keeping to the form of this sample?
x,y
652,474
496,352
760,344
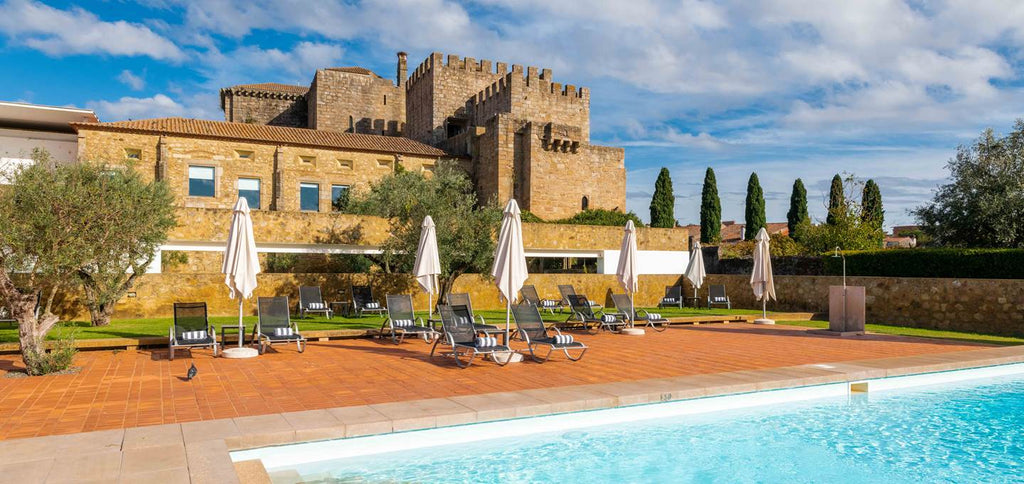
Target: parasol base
x,y
512,357
236,353
633,331
763,321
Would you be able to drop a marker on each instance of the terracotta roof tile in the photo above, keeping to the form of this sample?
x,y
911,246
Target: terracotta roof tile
x,y
271,87
269,134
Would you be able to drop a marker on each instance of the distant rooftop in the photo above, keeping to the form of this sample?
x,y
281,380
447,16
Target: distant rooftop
x,y
267,134
37,117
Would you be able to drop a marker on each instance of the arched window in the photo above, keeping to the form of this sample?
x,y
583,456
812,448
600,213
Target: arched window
x,y
585,204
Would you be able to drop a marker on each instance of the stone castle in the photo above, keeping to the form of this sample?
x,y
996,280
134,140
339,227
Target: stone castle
x,y
517,132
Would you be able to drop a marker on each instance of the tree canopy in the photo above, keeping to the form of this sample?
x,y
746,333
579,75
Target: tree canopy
x,y
710,210
797,218
836,200
663,202
755,215
465,232
982,204
847,228
871,204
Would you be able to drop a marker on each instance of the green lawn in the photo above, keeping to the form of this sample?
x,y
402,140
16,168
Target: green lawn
x,y
139,328
922,333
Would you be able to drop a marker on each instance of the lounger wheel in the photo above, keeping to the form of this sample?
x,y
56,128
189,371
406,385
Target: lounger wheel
x,y
663,327
570,357
261,348
302,347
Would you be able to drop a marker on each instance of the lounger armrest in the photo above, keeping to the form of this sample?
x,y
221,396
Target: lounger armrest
x,y
481,318
170,335
556,329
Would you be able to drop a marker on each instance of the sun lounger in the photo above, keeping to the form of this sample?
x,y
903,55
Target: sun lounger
x,y
717,296
583,316
363,302
531,329
457,299
310,301
402,321
567,290
639,315
274,325
673,297
529,294
459,334
191,329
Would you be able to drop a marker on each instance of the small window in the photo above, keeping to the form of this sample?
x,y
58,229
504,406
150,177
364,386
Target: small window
x,y
134,154
339,197
345,164
307,160
249,188
201,181
243,154
428,168
385,99
388,163
309,197
585,204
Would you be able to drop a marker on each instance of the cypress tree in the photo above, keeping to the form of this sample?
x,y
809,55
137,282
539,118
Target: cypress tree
x,y
663,202
797,215
836,201
710,210
871,204
756,219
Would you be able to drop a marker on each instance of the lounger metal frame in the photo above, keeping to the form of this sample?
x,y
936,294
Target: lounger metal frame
x,y
529,294
641,315
459,333
456,299
400,307
310,295
583,316
268,308
673,297
361,296
531,329
715,291
567,290
174,339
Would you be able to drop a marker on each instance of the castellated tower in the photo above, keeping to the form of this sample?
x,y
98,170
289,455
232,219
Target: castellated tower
x,y
517,132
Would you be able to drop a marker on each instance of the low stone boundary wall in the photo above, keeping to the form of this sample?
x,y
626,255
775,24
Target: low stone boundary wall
x,y
993,306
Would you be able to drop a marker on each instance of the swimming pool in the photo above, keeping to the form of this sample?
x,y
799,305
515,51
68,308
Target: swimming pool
x,y
969,431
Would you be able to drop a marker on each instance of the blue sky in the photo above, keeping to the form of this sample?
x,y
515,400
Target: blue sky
x,y
879,89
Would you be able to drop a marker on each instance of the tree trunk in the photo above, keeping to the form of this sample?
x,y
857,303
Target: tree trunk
x,y
100,314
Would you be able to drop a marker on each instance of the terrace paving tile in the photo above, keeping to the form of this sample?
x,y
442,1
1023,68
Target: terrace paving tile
x,y
315,425
26,471
209,463
362,420
177,475
422,414
152,458
102,466
261,430
504,405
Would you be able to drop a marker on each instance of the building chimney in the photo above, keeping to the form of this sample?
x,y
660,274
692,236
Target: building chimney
x,y
402,69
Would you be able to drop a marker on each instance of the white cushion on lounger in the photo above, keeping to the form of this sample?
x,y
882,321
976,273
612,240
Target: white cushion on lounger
x,y
283,332
549,303
314,305
486,341
609,318
193,335
720,299
669,299
402,323
372,305
563,339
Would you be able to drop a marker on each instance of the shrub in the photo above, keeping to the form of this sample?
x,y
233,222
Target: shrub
x,y
940,262
59,358
599,216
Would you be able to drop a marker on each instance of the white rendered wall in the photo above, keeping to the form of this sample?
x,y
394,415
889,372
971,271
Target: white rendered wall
x,y
16,148
647,261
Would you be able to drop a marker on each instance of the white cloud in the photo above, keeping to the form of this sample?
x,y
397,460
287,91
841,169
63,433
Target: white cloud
x,y
136,83
77,31
157,106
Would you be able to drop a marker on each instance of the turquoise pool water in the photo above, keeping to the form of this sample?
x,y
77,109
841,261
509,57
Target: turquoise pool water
x,y
964,432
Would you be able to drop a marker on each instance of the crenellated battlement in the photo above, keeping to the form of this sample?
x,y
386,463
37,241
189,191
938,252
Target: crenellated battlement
x,y
438,60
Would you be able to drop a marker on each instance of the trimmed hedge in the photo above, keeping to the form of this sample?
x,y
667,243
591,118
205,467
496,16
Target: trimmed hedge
x,y
960,263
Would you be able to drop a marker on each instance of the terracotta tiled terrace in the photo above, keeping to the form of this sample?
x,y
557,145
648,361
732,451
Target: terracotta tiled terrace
x,y
131,389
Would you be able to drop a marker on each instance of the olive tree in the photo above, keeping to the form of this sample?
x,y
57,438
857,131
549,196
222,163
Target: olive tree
x,y
135,217
465,231
55,220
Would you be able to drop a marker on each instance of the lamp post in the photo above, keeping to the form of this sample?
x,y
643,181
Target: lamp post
x,y
837,254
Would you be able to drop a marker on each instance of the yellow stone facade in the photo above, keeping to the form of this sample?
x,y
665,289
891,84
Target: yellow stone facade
x,y
232,160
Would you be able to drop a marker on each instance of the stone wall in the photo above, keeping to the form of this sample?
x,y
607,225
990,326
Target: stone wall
x,y
355,102
273,109
211,225
155,294
280,169
450,84
994,306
